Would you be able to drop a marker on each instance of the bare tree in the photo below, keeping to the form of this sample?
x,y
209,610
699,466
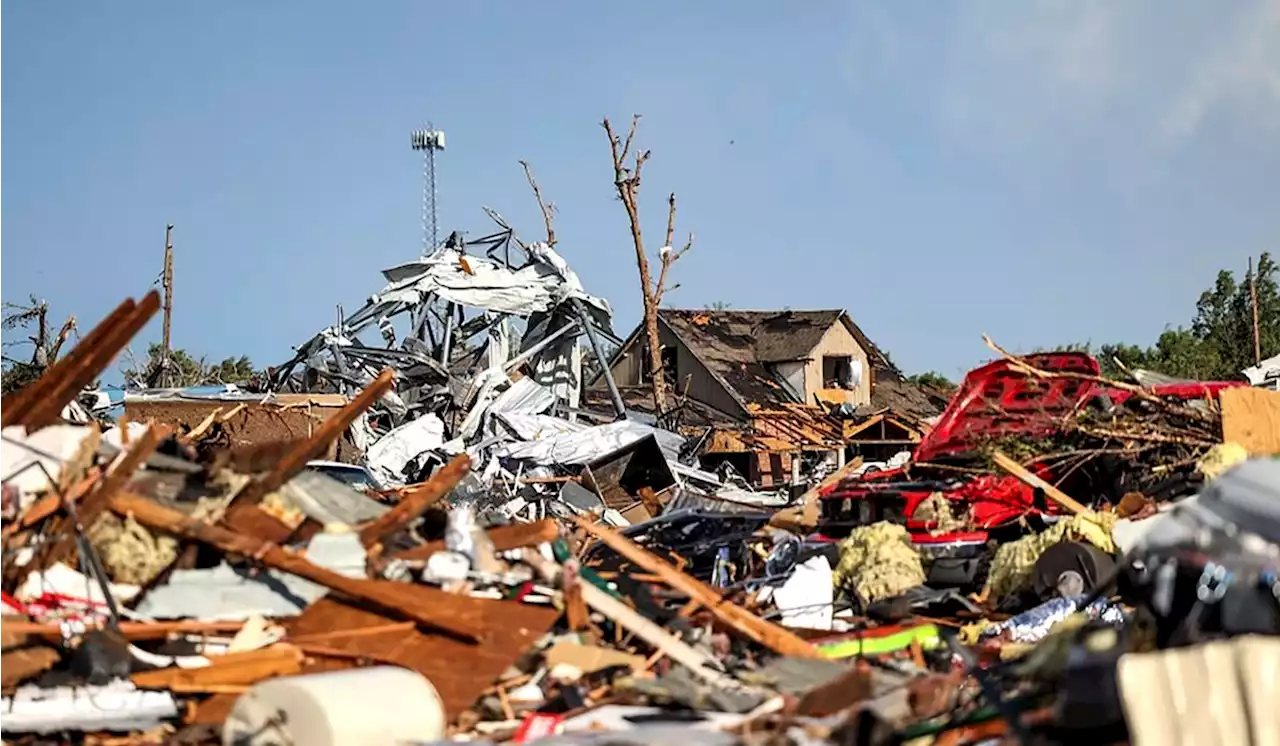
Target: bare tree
x,y
548,208
45,348
627,181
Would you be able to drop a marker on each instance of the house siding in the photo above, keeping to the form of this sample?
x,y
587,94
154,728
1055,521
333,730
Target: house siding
x,y
837,341
702,386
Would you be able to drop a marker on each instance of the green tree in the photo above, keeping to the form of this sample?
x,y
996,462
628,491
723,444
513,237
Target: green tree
x,y
1219,342
182,370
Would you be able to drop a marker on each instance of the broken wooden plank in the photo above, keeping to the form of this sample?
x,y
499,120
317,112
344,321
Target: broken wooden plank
x,y
415,503
772,636
66,388
427,606
234,669
19,665
802,516
18,405
1053,493
296,458
130,630
701,664
1251,417
504,538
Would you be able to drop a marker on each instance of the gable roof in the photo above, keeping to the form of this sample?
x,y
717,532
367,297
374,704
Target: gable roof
x,y
739,349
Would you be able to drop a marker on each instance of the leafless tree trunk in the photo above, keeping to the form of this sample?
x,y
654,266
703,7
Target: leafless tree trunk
x,y
548,208
627,182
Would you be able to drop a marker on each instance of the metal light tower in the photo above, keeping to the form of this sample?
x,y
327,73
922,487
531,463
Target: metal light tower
x,y
428,140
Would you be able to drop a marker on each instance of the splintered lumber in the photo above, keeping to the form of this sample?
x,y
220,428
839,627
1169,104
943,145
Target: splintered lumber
x,y
1055,494
429,607
65,388
415,503
701,664
504,538
18,405
296,458
129,630
772,636
22,664
50,504
233,669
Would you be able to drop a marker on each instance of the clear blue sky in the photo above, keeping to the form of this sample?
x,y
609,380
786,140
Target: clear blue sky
x,y
1043,171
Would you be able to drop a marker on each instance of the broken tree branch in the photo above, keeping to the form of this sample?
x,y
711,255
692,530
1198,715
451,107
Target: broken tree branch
x,y
548,208
669,257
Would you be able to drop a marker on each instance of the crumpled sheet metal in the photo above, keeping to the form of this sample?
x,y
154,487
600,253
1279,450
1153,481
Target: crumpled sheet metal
x,y
388,455
879,562
488,285
589,444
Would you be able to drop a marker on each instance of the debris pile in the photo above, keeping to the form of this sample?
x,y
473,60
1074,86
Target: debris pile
x,y
1062,557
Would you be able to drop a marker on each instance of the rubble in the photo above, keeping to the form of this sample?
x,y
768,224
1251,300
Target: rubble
x,y
518,564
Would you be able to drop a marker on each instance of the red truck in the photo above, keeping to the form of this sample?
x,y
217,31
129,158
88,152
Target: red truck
x,y
995,401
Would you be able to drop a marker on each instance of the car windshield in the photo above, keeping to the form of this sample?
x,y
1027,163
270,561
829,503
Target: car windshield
x,y
353,477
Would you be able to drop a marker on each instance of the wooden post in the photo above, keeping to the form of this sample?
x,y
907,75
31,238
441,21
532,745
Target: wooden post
x,y
1253,296
168,288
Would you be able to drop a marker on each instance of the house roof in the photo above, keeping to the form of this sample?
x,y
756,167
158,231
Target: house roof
x,y
737,347
896,394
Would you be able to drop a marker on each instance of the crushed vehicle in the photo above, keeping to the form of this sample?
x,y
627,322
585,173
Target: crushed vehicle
x,y
958,507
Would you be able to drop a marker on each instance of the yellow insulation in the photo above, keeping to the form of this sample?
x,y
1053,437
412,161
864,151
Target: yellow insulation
x,y
878,562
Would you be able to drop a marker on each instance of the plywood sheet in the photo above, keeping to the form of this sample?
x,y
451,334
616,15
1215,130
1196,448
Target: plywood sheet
x,y
1251,417
459,671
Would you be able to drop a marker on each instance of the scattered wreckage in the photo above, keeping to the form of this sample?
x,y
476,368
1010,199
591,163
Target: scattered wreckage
x,y
453,547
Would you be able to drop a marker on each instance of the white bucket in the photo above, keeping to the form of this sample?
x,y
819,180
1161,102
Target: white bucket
x,y
360,707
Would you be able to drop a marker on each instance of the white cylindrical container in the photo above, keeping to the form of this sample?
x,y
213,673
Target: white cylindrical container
x,y
361,707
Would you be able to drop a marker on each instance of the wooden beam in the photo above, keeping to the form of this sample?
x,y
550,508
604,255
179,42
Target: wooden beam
x,y
18,405
130,630
415,503
295,460
772,636
429,607
1055,494
245,668
66,388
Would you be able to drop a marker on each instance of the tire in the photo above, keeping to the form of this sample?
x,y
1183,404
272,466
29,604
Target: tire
x,y
1070,568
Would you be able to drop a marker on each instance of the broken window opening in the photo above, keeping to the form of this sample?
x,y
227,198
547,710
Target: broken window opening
x,y
669,369
837,372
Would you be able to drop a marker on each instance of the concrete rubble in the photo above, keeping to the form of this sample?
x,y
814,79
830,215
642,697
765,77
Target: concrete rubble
x,y
421,528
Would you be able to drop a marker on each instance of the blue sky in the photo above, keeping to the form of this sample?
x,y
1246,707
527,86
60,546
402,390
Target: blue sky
x,y
1042,171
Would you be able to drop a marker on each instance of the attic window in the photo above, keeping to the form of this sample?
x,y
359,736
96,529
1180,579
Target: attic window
x,y
838,372
668,365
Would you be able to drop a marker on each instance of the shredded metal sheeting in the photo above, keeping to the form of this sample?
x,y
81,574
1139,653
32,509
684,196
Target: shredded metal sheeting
x,y
879,562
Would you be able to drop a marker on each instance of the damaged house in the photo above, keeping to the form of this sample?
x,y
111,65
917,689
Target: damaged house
x,y
769,390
